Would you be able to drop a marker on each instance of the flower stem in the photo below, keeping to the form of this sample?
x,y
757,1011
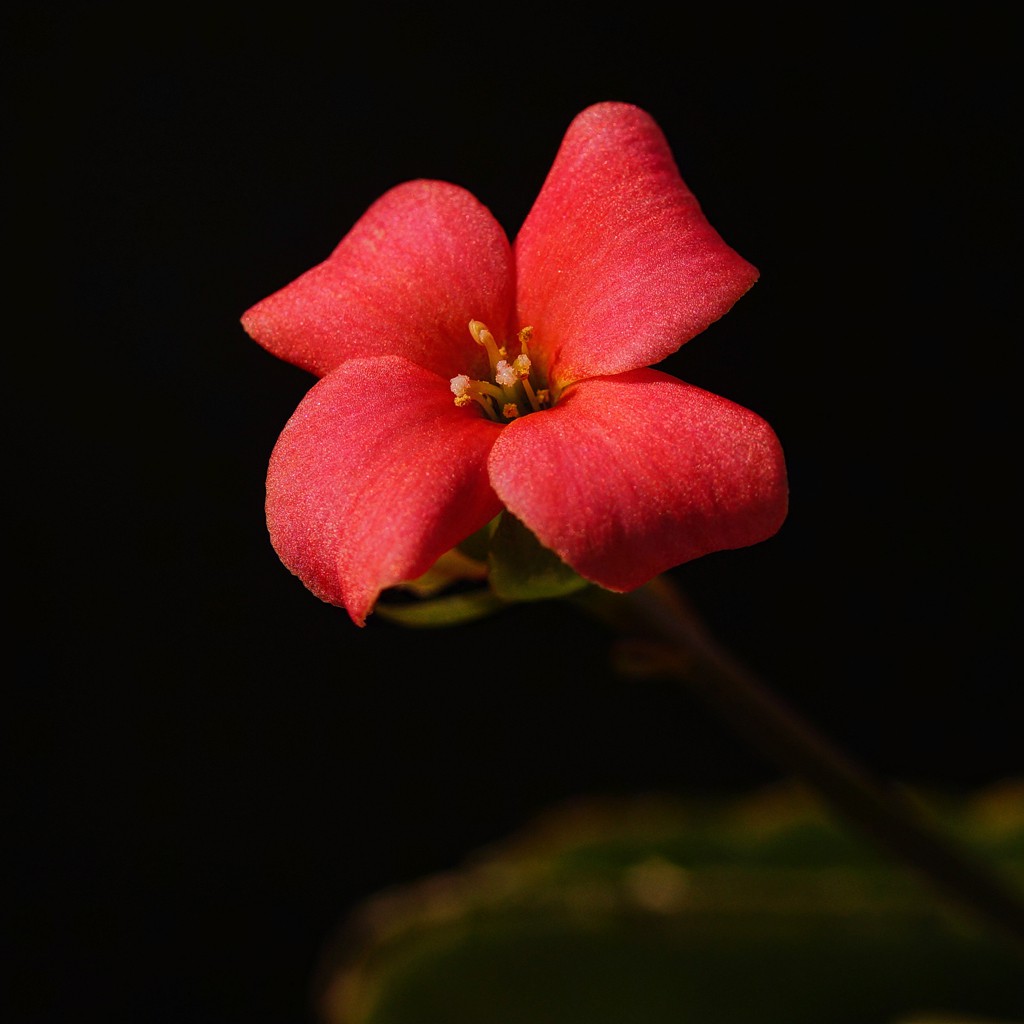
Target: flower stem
x,y
677,643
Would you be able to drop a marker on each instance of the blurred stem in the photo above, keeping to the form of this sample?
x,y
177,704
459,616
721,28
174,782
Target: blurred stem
x,y
673,641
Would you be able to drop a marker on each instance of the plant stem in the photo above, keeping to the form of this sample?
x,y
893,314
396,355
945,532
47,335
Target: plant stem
x,y
684,648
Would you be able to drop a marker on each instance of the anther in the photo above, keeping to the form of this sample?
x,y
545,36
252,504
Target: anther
x,y
505,375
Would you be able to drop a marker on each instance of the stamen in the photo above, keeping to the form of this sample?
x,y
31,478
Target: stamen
x,y
467,390
534,398
487,388
465,385
483,401
521,367
510,411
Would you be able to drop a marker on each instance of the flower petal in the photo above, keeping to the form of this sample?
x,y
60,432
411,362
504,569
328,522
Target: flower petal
x,y
375,476
630,475
423,261
617,264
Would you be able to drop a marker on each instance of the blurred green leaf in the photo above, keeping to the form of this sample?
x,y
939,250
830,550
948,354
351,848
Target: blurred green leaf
x,y
656,911
956,1019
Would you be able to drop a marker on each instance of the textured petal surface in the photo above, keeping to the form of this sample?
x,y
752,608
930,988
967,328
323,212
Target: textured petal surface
x,y
617,264
422,262
374,477
631,475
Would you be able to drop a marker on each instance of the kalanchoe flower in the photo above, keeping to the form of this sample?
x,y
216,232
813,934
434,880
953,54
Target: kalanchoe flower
x,y
462,376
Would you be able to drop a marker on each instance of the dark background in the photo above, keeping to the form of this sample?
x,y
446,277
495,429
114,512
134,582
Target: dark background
x,y
210,767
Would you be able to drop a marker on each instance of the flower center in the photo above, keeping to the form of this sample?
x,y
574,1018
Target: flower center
x,y
515,387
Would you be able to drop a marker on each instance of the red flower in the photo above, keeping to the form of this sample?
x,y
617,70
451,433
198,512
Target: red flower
x,y
621,470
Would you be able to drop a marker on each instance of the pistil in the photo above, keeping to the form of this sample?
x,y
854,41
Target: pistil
x,y
482,336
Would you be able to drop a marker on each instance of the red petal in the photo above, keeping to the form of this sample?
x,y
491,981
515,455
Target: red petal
x,y
374,477
630,475
422,262
617,264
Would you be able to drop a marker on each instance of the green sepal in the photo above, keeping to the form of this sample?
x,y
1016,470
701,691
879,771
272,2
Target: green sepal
x,y
452,567
476,545
522,569
453,610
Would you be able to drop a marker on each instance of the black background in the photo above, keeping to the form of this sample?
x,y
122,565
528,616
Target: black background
x,y
211,767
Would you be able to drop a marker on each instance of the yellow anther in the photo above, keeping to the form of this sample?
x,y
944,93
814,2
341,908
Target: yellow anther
x,y
510,411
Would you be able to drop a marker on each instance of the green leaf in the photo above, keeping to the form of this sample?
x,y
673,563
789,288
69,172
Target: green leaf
x,y
522,569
